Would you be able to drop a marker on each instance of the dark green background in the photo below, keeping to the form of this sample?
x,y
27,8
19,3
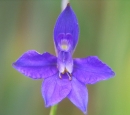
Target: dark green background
x,y
104,31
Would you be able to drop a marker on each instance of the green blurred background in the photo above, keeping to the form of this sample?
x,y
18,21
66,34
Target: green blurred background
x,y
104,31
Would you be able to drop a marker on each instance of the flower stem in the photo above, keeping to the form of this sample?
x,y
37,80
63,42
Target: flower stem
x,y
64,4
53,110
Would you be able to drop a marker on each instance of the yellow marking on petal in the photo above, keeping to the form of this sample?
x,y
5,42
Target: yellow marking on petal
x,y
64,46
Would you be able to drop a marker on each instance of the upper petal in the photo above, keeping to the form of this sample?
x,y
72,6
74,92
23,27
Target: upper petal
x,y
55,89
91,70
79,95
35,65
66,26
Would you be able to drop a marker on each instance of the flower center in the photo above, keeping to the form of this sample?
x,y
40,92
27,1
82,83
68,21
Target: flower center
x,y
65,63
68,74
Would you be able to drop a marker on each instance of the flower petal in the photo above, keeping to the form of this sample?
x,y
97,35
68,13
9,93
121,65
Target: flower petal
x,y
35,65
55,89
65,62
79,95
66,26
91,70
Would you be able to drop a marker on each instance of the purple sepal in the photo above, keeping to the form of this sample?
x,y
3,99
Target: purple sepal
x,y
79,95
66,24
55,89
35,65
91,70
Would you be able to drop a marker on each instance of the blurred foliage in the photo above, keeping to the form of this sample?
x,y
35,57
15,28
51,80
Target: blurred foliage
x,y
104,31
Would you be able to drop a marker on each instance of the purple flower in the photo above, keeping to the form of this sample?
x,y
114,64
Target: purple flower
x,y
64,77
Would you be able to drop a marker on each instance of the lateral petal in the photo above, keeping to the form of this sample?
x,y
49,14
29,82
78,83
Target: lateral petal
x,y
35,65
79,95
91,70
55,89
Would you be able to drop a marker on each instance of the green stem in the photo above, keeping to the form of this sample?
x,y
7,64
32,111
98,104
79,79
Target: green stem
x,y
53,110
